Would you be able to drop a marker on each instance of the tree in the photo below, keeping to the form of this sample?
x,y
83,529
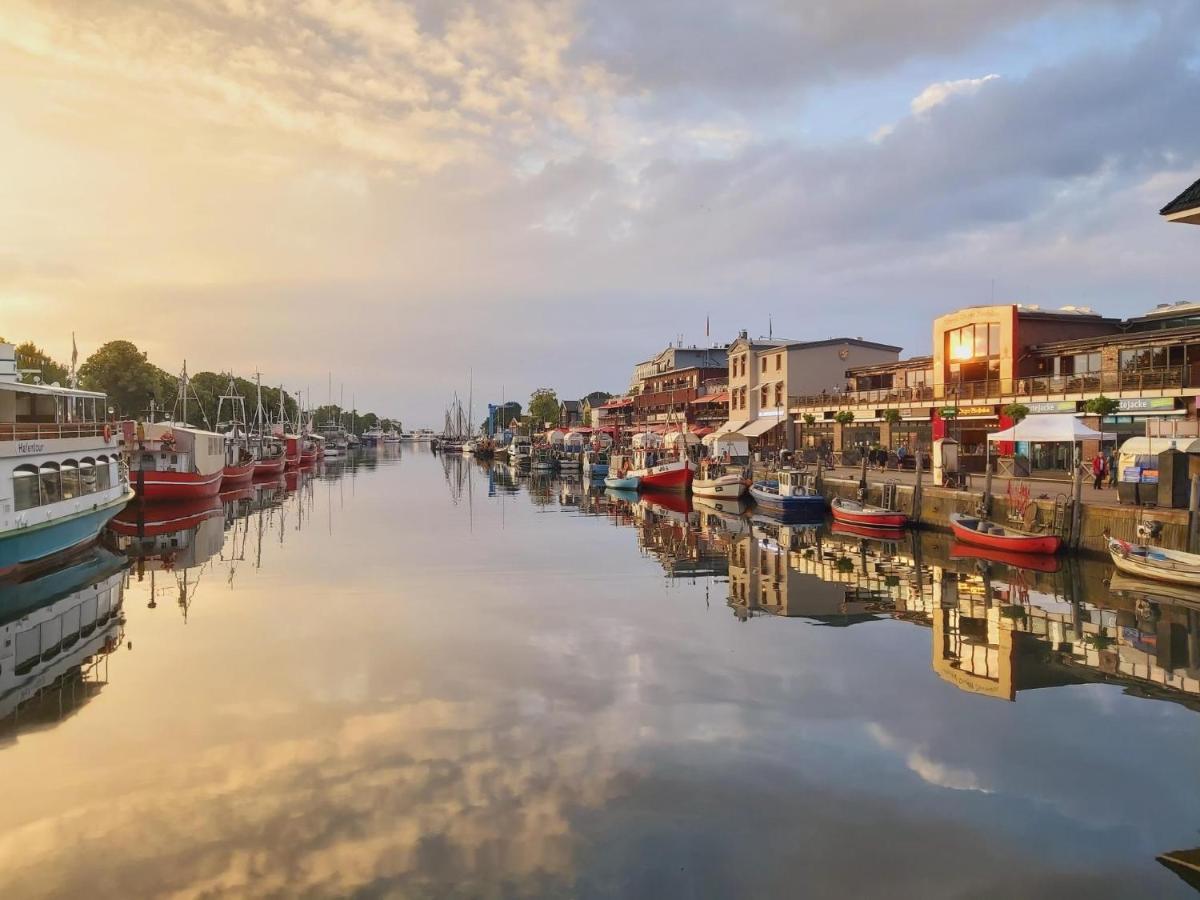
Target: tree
x,y
596,398
543,407
1101,406
122,371
892,416
1016,411
31,356
844,417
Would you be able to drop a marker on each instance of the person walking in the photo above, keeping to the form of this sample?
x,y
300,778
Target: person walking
x,y
1098,471
1111,465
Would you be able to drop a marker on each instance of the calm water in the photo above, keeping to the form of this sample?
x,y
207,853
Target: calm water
x,y
409,676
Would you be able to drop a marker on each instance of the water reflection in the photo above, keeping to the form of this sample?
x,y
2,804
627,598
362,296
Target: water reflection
x,y
410,674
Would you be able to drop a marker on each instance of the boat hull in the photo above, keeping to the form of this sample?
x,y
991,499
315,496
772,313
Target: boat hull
x,y
1044,544
164,487
846,529
629,483
868,517
806,505
673,476
727,487
269,468
26,545
1173,567
233,476
1037,562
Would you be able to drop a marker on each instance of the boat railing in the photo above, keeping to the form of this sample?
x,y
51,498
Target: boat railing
x,y
32,431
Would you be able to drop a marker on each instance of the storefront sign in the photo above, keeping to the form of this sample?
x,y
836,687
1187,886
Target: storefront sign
x,y
962,411
1051,406
921,412
1143,404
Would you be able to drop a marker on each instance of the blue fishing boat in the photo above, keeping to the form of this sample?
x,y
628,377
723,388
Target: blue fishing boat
x,y
618,475
787,495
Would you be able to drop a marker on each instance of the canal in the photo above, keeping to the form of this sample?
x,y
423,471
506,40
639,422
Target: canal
x,y
410,675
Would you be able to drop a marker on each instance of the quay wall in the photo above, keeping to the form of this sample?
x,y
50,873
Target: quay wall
x,y
937,503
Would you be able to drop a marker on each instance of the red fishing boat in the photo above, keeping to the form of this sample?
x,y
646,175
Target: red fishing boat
x,y
149,521
982,533
271,464
292,450
870,532
851,512
237,473
1037,562
171,462
657,470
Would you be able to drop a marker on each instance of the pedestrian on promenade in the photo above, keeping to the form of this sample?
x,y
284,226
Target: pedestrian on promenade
x,y
1098,471
1111,465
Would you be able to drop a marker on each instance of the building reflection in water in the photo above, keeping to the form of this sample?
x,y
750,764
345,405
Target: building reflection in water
x,y
58,626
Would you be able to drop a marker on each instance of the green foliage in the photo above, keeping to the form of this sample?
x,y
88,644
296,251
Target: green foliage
x,y
122,371
809,419
596,398
1016,411
844,417
1101,406
31,356
543,407
891,416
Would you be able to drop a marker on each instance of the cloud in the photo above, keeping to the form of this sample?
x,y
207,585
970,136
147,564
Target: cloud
x,y
941,91
929,770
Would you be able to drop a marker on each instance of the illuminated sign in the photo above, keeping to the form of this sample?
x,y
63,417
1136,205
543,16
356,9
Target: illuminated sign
x,y
1139,404
949,412
1052,406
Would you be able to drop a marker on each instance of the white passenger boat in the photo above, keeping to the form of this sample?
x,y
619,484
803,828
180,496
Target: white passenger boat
x,y
61,477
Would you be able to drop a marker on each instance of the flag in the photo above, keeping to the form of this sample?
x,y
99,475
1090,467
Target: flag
x,y
74,359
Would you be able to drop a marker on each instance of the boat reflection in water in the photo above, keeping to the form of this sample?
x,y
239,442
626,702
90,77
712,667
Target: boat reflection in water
x,y
58,626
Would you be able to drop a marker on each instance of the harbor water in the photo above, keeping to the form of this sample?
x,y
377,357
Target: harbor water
x,y
413,675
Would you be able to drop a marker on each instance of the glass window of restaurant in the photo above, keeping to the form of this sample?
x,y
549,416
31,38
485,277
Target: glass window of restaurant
x,y
973,353
859,435
817,435
915,434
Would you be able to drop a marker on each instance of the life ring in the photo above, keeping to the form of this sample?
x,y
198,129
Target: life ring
x,y
107,433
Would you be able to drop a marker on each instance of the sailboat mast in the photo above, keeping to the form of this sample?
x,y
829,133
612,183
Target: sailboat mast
x,y
183,387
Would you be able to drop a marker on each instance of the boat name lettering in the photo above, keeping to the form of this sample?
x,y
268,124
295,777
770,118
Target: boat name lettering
x,y
30,447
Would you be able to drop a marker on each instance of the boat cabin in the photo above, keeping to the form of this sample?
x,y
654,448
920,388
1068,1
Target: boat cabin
x,y
169,447
792,483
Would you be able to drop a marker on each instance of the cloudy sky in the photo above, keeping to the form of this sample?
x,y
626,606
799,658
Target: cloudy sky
x,y
545,192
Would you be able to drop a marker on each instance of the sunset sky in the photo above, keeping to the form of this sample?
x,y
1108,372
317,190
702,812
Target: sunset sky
x,y
547,192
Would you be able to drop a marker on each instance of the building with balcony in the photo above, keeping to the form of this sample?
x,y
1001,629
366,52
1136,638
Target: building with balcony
x,y
676,356
764,373
669,398
1051,361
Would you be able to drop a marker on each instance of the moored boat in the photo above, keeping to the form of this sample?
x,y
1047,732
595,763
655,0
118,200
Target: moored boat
x,y
720,481
787,495
1037,562
1155,563
853,512
658,471
171,461
60,474
982,533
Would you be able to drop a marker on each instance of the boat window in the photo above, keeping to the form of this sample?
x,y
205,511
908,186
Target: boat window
x,y
51,637
69,479
70,626
48,476
29,649
103,474
25,488
87,476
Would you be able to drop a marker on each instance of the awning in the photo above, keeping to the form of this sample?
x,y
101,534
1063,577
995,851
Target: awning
x,y
759,427
729,427
1062,427
722,397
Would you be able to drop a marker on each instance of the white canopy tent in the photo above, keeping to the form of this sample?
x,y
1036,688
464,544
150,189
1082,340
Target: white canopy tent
x,y
646,439
674,439
1045,429
734,444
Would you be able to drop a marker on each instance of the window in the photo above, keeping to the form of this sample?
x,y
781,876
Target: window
x,y
25,488
1149,358
779,394
68,479
762,398
87,476
48,476
103,474
778,361
764,364
973,342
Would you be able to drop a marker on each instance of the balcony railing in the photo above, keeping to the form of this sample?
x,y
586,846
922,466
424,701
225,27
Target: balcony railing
x,y
1032,388
33,431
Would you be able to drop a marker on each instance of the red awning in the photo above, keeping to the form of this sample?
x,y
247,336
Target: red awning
x,y
701,430
722,397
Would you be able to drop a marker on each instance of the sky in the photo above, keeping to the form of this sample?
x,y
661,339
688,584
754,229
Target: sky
x,y
411,197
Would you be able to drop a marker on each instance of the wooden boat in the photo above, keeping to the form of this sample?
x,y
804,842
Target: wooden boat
x,y
1155,563
238,473
787,495
870,532
1037,562
982,533
851,512
616,482
720,482
1187,596
658,472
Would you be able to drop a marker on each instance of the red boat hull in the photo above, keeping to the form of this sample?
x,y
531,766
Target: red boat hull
x,y
870,520
163,487
676,478
233,476
870,532
308,457
293,452
1040,544
1038,562
139,520
269,468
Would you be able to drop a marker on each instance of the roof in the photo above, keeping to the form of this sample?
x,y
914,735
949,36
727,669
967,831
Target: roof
x,y
616,402
57,390
570,404
722,397
1189,199
913,362
769,344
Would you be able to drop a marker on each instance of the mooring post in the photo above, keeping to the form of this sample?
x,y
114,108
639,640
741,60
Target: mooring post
x,y
916,497
1077,503
1194,516
862,481
987,488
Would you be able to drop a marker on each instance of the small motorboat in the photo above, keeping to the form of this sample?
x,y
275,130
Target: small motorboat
x,y
618,483
851,512
786,494
982,533
719,481
1155,563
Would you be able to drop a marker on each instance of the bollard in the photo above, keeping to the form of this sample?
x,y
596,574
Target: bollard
x,y
862,481
986,500
916,496
1194,516
1077,504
